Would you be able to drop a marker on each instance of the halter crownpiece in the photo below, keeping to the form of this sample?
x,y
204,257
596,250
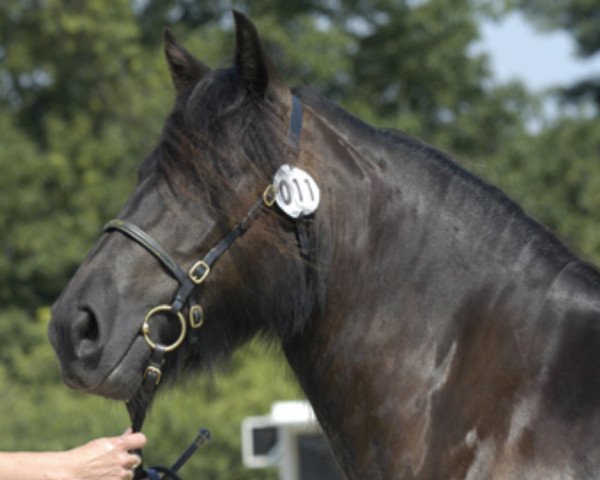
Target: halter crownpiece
x,y
295,129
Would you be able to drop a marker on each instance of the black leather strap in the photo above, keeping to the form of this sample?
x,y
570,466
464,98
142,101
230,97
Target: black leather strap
x,y
146,241
236,232
295,128
154,472
302,226
139,404
201,439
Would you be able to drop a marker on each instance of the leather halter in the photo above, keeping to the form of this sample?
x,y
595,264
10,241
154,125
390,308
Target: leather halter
x,y
188,281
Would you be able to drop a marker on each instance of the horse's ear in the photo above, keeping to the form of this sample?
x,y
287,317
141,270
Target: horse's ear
x,y
251,59
185,69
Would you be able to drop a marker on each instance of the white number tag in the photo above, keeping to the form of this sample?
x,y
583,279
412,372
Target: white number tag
x,y
296,193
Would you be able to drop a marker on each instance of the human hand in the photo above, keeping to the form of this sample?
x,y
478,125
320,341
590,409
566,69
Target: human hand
x,y
106,458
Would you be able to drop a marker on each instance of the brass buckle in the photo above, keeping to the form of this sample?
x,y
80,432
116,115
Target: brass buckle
x,y
195,309
199,279
269,196
154,370
146,327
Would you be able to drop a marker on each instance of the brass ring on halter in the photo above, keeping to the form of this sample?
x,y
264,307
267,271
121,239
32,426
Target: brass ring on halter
x,y
269,196
146,326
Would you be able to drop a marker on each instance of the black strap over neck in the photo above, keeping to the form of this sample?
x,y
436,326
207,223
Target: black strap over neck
x,y
295,129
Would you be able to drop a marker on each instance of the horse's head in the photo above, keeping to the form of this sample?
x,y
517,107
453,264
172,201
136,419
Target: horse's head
x,y
226,137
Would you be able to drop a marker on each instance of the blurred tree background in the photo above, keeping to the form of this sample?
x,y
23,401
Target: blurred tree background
x,y
84,91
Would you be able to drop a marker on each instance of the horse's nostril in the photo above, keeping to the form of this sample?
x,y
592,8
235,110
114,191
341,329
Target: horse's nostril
x,y
86,335
87,327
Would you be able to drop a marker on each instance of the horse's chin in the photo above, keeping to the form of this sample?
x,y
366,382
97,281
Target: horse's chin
x,y
123,381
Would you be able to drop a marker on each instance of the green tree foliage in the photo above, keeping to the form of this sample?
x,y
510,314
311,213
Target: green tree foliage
x,y
554,174
395,63
581,19
554,171
83,94
73,77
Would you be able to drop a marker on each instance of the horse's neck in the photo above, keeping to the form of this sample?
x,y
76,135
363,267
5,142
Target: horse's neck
x,y
438,346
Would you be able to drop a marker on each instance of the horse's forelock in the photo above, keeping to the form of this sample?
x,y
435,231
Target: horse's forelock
x,y
218,138
218,131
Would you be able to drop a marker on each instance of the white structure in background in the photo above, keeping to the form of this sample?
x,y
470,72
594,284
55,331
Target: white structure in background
x,y
288,438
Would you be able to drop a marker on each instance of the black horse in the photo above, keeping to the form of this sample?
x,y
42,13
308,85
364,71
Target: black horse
x,y
438,331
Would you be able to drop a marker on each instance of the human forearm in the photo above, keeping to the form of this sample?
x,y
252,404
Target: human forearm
x,y
100,459
33,466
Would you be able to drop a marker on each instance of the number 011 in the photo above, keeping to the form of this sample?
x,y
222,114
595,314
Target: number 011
x,y
287,191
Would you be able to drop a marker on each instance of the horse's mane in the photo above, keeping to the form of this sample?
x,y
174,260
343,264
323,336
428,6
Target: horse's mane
x,y
230,103
398,147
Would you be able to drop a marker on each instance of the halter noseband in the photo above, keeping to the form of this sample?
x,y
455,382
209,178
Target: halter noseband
x,y
195,276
